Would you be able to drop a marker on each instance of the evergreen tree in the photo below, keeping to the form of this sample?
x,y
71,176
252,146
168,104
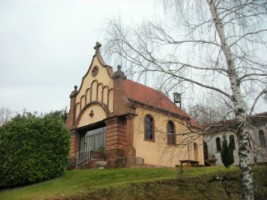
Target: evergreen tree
x,y
227,153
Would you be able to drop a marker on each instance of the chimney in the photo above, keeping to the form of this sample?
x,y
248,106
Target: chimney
x,y
177,98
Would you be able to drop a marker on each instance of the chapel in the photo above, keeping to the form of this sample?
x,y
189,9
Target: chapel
x,y
132,124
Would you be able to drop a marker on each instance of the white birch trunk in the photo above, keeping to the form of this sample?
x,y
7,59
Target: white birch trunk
x,y
247,190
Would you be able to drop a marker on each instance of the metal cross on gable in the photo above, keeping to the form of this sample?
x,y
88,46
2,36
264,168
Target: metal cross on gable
x,y
97,47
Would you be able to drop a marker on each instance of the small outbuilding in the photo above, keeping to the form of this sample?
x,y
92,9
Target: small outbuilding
x,y
256,129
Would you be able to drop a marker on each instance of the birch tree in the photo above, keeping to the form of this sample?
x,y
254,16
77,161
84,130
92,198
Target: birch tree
x,y
217,45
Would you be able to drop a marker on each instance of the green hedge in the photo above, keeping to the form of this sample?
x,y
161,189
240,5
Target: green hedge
x,y
32,149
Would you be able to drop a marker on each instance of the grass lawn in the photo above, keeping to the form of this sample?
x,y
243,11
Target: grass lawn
x,y
77,181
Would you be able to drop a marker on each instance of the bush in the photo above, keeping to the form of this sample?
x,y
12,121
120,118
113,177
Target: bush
x,y
32,149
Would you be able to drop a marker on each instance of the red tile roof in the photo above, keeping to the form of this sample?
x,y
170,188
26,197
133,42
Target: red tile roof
x,y
194,123
154,98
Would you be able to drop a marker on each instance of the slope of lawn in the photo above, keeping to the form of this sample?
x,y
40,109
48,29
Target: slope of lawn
x,y
77,181
224,185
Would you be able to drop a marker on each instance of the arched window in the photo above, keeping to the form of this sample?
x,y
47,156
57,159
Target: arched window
x,y
196,151
149,128
232,141
171,133
206,151
218,144
262,139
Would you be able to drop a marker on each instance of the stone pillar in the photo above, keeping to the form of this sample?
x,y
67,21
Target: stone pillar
x,y
120,101
74,139
74,143
72,113
130,150
115,133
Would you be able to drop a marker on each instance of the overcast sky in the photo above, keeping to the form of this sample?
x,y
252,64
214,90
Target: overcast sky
x,y
46,46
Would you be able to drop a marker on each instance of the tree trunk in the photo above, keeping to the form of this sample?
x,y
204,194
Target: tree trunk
x,y
247,190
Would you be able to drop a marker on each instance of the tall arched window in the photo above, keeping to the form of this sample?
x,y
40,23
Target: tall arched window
x,y
149,128
218,144
232,141
206,151
196,151
262,139
171,133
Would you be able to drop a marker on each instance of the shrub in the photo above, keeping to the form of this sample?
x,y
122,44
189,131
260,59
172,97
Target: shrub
x,y
32,149
227,153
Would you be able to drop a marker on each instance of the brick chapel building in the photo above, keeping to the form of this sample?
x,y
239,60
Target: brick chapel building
x,y
130,122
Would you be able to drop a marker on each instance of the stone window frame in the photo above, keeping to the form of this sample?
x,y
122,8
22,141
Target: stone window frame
x,y
195,146
171,137
218,144
262,139
149,128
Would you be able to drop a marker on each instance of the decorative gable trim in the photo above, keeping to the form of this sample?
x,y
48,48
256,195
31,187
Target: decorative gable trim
x,y
94,103
101,61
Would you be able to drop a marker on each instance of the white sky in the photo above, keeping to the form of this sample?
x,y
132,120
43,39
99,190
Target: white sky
x,y
46,46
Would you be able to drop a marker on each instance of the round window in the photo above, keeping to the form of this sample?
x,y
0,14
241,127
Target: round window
x,y
95,71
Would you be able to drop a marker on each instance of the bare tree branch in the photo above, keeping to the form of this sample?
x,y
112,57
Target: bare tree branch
x,y
264,91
